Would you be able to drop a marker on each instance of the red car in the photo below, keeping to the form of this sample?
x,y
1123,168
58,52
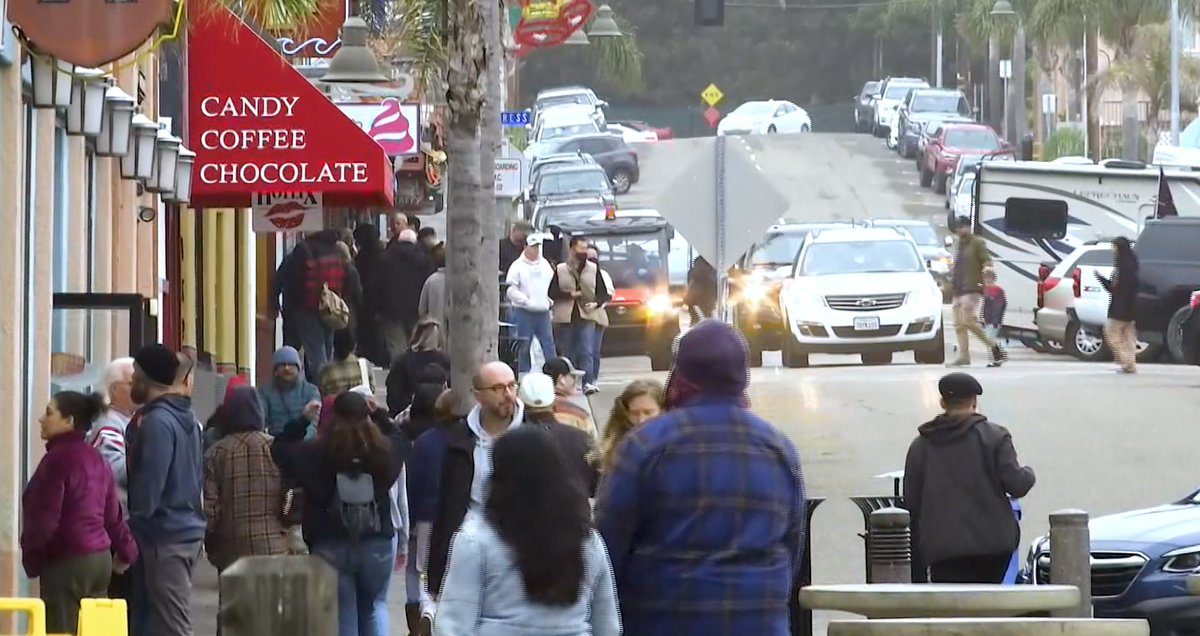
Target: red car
x,y
641,126
951,142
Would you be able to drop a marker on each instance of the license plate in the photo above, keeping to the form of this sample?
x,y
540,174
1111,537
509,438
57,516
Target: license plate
x,y
866,324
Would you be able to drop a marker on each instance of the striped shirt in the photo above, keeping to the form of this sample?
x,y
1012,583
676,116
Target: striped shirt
x,y
108,437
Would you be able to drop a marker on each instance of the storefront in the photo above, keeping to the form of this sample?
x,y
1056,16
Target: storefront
x,y
262,129
69,231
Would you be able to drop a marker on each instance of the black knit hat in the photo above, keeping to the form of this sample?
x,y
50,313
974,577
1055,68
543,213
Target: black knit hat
x,y
158,363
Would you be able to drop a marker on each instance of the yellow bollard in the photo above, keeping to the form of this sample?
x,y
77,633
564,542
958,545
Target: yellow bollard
x,y
103,617
34,607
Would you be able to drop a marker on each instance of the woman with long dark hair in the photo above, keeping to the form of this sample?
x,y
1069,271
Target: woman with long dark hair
x,y
531,563
345,474
1120,331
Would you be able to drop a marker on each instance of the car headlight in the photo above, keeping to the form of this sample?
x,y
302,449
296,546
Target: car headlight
x,y
755,291
1183,560
924,295
805,297
659,304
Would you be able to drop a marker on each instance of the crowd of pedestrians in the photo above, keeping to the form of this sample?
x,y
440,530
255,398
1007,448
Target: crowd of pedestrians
x,y
559,300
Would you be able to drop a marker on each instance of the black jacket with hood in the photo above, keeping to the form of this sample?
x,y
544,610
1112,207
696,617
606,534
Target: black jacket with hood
x,y
958,476
1122,287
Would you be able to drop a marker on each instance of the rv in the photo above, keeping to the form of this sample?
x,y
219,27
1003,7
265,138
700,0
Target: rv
x,y
1035,213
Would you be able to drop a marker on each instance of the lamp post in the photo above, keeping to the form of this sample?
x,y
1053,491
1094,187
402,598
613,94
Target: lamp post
x,y
182,193
85,115
115,124
138,163
1175,72
162,176
51,82
1014,111
354,63
578,38
604,26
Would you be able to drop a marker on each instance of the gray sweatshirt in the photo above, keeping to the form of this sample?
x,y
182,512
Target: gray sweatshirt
x,y
108,437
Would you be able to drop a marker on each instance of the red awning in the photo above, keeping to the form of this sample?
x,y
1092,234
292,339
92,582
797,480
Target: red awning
x,y
257,125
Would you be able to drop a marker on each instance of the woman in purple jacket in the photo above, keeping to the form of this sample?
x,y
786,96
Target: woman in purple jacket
x,y
74,534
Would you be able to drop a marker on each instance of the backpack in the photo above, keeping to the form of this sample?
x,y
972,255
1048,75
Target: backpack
x,y
354,504
324,280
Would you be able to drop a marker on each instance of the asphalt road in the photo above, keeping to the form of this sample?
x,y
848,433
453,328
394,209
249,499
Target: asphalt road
x,y
1074,422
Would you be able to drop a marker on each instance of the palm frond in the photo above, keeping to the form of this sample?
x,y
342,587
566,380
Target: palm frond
x,y
416,34
275,15
618,61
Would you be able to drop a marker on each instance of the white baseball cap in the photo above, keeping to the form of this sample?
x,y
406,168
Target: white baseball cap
x,y
537,391
535,239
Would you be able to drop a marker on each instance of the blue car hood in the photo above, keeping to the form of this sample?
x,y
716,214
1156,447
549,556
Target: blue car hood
x,y
1168,527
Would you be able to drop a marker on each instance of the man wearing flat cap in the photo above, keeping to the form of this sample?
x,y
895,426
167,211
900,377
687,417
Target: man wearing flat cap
x,y
960,472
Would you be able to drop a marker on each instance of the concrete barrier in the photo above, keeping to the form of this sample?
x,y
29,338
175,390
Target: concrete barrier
x,y
992,627
279,596
938,600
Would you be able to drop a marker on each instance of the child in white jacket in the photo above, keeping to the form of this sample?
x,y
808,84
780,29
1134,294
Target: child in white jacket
x,y
529,279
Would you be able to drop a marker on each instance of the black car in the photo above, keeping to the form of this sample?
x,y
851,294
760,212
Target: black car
x,y
619,161
1168,253
924,105
863,109
568,182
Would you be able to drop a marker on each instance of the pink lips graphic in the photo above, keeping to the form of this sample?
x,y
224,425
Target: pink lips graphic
x,y
390,129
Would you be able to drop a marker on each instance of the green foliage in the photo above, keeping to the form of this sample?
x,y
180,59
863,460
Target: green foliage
x,y
518,138
1112,144
1064,142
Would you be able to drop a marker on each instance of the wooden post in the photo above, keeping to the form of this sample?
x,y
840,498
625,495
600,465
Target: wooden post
x,y
279,596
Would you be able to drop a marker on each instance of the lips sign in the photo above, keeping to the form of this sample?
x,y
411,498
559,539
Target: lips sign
x,y
287,212
549,23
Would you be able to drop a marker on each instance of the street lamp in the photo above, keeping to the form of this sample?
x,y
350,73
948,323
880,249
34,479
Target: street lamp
x,y
182,193
1002,8
51,80
138,163
115,124
85,114
604,26
354,63
578,38
162,178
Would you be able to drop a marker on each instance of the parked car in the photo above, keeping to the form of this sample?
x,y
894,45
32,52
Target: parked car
x,y
765,117
565,209
559,123
1141,561
1073,305
952,141
663,132
937,258
891,93
620,162
964,196
1191,332
568,96
568,182
863,105
925,105
1168,272
557,159
632,136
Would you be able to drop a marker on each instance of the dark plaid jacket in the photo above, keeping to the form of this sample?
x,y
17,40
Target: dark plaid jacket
x,y
703,515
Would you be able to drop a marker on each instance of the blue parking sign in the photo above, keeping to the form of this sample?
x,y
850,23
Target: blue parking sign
x,y
514,118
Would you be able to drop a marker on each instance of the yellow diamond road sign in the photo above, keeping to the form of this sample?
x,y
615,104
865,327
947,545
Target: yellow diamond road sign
x,y
711,95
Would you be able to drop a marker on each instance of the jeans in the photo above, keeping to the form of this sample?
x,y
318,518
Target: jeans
x,y
530,325
580,347
364,573
596,342
316,339
163,589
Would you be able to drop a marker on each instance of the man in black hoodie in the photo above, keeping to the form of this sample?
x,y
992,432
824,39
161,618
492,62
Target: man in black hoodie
x,y
402,273
958,477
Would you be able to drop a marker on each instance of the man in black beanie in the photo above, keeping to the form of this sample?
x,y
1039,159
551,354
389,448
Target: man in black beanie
x,y
166,513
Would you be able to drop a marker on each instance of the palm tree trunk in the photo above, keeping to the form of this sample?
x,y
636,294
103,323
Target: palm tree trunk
x,y
472,285
1129,123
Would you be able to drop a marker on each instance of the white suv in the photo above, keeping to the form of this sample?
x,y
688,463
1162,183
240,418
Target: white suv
x,y
861,291
1073,304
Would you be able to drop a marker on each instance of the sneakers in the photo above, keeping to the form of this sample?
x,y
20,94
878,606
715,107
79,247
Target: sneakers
x,y
961,362
590,389
999,356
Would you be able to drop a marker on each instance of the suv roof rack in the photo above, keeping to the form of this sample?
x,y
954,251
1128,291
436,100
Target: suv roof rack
x,y
1122,164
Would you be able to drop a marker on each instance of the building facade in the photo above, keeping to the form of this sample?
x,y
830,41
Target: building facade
x,y
69,224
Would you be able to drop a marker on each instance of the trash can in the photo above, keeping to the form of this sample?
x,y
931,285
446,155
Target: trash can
x,y
1027,147
800,620
867,505
509,346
